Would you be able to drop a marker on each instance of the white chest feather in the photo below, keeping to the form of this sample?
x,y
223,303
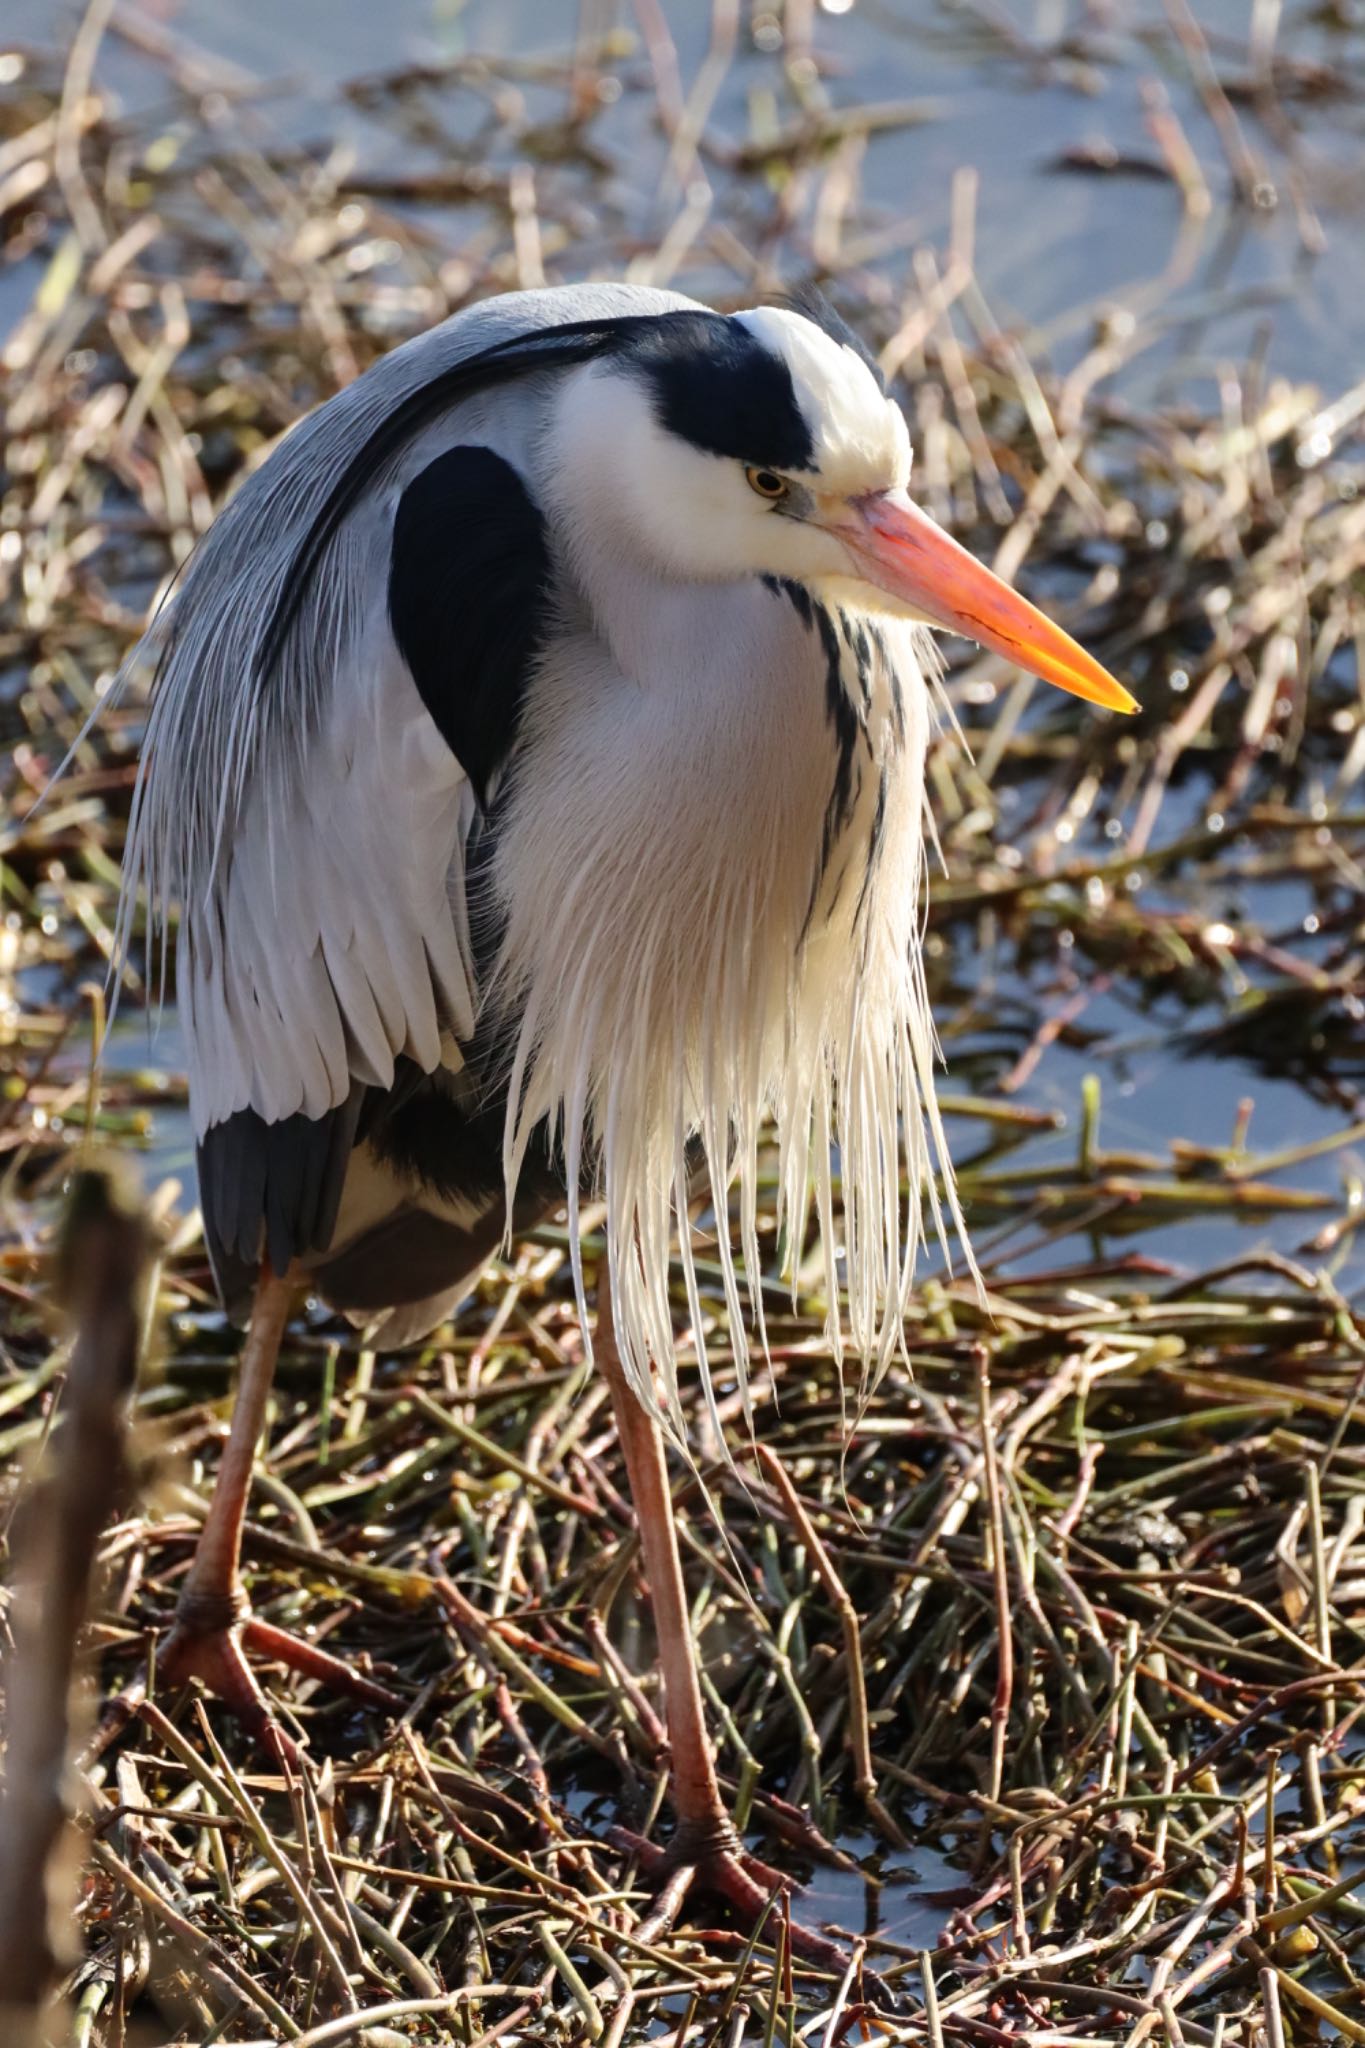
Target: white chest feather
x,y
712,915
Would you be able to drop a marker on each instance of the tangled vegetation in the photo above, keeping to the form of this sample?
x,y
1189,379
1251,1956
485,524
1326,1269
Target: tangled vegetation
x,y
1046,1665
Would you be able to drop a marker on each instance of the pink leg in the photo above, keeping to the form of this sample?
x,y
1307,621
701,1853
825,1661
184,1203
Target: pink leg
x,y
213,1618
706,1849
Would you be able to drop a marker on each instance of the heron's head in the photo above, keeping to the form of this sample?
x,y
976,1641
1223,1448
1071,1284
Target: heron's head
x,y
764,443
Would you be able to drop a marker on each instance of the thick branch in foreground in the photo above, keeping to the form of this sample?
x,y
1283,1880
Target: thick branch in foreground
x,y
102,1267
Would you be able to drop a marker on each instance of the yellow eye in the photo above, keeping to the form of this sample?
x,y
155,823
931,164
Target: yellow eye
x,y
768,484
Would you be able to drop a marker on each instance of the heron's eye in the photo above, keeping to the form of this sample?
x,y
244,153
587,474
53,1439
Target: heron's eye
x,y
768,484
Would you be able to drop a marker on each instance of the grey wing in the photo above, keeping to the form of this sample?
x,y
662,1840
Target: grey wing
x,y
332,935
331,941
303,798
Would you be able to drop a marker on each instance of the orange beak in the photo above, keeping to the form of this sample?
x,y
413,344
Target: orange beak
x,y
900,550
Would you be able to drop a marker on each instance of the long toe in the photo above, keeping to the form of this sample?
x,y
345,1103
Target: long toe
x,y
277,1646
749,1886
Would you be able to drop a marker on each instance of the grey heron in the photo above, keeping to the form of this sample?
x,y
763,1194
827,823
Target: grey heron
x,y
536,764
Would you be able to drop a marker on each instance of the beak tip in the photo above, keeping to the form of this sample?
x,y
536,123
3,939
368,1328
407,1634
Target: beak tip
x,y
1097,688
1095,684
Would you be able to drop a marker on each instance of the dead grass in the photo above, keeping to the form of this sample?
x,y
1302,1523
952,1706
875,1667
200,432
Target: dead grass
x,y
1049,1666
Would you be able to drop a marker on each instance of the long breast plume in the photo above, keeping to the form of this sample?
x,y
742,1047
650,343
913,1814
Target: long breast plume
x,y
734,935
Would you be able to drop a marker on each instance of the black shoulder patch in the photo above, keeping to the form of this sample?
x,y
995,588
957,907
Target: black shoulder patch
x,y
469,578
708,372
810,302
715,384
271,1187
562,347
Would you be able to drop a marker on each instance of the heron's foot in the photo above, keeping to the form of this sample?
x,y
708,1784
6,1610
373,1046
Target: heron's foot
x,y
712,1859
210,1640
210,1649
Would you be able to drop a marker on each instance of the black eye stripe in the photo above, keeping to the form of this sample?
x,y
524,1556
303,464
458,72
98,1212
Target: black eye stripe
x,y
718,386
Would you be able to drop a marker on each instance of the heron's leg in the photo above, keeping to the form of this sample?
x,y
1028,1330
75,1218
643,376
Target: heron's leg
x,y
213,1623
706,1848
702,1819
212,1597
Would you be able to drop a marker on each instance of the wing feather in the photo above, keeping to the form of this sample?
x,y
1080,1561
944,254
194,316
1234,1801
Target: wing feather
x,y
321,744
